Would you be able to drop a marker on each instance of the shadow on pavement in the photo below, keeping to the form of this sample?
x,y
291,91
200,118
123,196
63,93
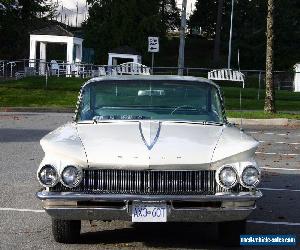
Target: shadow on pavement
x,y
21,135
171,235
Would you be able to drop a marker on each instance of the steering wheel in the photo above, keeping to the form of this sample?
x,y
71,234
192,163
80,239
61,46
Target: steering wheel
x,y
183,106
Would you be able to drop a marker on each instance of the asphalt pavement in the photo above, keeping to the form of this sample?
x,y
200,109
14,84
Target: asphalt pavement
x,y
24,225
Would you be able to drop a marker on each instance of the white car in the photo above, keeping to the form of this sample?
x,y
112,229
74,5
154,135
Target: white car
x,y
149,149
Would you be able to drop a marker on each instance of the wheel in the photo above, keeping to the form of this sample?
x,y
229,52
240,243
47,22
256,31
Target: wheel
x,y
230,231
66,231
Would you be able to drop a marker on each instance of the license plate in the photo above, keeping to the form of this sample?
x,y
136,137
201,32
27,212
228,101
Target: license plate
x,y
149,212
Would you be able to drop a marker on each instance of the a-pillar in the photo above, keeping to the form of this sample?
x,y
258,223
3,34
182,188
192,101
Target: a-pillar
x,y
42,68
32,55
70,60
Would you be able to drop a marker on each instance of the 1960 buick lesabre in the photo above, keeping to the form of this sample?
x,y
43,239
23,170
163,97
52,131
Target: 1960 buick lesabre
x,y
149,149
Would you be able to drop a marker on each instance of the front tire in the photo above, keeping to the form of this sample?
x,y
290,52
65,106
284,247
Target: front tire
x,y
230,231
66,231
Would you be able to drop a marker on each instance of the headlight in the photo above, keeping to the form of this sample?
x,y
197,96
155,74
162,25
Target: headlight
x,y
227,176
250,176
48,176
71,176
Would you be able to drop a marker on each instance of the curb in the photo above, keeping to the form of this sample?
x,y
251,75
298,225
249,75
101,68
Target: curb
x,y
266,122
37,110
262,122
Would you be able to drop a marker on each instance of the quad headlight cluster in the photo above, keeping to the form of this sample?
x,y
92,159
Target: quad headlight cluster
x,y
250,176
228,176
71,176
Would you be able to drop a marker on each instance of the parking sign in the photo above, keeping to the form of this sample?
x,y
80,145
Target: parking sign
x,y
153,44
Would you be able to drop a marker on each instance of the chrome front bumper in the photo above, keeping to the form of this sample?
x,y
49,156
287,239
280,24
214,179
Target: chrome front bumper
x,y
232,206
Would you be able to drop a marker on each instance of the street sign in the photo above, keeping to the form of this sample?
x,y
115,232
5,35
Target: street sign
x,y
153,44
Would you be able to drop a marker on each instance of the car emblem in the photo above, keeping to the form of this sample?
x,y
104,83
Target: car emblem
x,y
149,132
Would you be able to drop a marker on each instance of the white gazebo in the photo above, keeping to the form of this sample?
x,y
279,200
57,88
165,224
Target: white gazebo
x,y
55,34
297,77
125,53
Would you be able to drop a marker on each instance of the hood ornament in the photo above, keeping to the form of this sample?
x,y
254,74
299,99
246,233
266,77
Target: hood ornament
x,y
149,131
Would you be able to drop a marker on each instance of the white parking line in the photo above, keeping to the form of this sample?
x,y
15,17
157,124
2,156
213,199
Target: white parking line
x,y
268,133
265,153
283,154
281,142
288,169
274,222
279,189
21,210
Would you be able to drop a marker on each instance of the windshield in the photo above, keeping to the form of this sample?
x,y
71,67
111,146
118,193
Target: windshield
x,y
150,100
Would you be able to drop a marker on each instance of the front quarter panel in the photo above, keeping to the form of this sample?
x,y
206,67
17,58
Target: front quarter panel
x,y
234,146
64,147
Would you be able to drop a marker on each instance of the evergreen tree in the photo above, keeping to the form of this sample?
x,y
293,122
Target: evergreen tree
x,y
114,23
17,19
217,42
249,30
204,18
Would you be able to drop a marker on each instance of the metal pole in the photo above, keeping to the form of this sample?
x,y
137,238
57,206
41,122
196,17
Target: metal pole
x,y
230,35
182,38
152,63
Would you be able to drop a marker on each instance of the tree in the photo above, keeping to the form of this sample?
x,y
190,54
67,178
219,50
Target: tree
x,y
270,97
204,18
169,15
286,33
250,29
17,19
127,22
217,42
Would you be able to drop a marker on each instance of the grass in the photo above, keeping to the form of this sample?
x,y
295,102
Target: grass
x,y
31,92
261,115
63,92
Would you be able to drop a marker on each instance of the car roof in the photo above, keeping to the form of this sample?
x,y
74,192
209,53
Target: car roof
x,y
150,77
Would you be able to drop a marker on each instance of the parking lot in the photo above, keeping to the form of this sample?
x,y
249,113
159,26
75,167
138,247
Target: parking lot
x,y
24,225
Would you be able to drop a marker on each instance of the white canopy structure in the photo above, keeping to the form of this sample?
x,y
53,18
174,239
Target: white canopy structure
x,y
54,34
297,77
124,53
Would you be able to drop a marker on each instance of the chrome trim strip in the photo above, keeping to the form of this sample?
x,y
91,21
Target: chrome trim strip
x,y
155,139
44,195
189,215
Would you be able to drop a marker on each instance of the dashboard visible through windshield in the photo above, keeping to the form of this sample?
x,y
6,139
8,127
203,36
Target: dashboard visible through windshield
x,y
150,100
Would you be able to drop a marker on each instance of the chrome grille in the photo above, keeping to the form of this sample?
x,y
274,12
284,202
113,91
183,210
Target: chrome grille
x,y
146,182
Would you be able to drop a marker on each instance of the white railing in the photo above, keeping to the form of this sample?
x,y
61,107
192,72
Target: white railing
x,y
61,68
227,75
131,68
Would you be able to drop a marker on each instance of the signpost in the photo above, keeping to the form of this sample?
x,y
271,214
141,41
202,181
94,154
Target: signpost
x,y
153,47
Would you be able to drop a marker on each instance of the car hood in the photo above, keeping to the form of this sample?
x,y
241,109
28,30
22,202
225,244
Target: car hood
x,y
149,145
